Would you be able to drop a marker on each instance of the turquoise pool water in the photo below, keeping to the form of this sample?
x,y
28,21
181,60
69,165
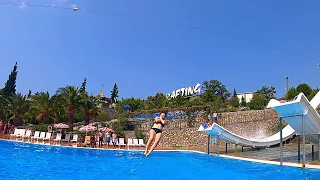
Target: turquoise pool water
x,y
29,161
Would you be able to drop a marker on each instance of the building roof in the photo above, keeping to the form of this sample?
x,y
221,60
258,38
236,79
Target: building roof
x,y
101,94
247,93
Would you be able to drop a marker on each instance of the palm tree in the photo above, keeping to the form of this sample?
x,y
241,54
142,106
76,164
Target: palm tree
x,y
18,106
88,106
70,97
41,104
58,109
4,109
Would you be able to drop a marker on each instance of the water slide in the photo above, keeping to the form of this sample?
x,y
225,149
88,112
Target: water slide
x,y
294,111
291,112
218,132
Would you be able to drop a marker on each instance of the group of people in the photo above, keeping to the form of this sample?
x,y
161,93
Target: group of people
x,y
108,138
6,128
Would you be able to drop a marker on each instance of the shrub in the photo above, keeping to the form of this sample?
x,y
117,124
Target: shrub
x,y
139,134
40,127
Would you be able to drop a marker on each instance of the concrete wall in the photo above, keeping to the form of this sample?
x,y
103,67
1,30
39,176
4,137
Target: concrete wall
x,y
183,132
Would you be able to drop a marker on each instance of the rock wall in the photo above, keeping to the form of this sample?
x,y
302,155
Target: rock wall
x,y
183,132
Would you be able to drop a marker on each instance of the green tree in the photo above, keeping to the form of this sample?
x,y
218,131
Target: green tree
x,y
71,99
10,86
257,102
83,86
42,105
305,89
18,106
89,107
267,92
214,88
157,101
134,103
59,111
292,92
114,93
313,93
234,101
4,109
103,116
243,102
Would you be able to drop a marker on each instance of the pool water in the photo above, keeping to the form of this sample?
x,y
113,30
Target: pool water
x,y
30,161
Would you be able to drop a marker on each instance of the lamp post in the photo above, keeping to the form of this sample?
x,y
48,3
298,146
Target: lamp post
x,y
287,83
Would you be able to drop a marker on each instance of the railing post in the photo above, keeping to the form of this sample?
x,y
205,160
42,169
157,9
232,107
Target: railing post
x,y
226,148
208,143
318,146
312,152
281,145
298,148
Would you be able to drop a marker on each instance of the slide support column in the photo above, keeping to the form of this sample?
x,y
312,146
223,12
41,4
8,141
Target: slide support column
x,y
303,143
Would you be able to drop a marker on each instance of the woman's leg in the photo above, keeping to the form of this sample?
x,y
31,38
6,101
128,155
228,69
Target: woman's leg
x,y
152,134
156,141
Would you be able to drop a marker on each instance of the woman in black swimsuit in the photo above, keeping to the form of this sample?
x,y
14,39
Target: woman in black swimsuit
x,y
155,133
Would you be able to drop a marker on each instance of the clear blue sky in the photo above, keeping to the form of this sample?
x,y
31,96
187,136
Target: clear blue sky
x,y
55,48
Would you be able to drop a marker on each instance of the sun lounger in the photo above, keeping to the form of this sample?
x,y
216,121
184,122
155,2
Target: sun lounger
x,y
67,138
22,133
58,137
27,135
135,142
141,143
74,138
48,136
130,142
121,142
42,136
36,135
16,132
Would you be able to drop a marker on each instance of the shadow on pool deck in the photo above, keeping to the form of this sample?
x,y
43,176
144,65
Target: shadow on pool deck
x,y
290,153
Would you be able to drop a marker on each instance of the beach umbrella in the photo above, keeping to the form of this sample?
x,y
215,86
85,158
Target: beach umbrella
x,y
105,129
126,106
61,126
87,128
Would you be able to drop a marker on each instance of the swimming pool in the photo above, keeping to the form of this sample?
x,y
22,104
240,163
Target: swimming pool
x,y
30,161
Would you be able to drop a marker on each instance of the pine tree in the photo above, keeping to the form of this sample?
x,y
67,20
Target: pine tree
x,y
234,101
243,102
234,93
10,86
83,86
114,93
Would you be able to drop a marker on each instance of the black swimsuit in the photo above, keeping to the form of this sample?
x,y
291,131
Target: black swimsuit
x,y
156,129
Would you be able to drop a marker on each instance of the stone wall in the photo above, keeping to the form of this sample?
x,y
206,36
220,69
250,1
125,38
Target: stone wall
x,y
183,132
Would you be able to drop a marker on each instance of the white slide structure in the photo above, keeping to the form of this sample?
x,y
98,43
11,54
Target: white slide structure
x,y
218,132
292,112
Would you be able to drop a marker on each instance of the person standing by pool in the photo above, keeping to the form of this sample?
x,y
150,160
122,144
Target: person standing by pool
x,y
155,133
215,117
114,139
108,138
100,138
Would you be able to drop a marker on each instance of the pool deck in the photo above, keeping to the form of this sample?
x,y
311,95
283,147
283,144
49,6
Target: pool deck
x,y
267,155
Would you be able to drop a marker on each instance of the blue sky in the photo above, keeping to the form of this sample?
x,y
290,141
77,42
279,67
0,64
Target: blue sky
x,y
55,48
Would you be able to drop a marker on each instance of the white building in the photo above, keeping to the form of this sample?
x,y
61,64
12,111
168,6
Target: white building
x,y
247,96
